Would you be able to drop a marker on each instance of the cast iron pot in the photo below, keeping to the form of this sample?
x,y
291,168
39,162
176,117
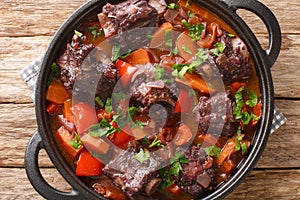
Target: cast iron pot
x,y
263,59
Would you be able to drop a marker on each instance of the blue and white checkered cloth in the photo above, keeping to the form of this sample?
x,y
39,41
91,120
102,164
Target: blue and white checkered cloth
x,y
30,74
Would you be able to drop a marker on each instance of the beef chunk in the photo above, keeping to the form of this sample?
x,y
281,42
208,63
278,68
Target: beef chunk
x,y
127,15
159,5
133,177
97,76
71,60
234,63
214,114
145,91
197,176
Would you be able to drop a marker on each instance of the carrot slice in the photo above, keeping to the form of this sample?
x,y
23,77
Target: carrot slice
x,y
158,38
196,82
139,56
57,93
67,112
226,151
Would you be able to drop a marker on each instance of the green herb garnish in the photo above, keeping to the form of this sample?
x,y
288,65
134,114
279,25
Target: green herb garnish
x,y
156,143
220,47
94,30
253,99
159,73
108,105
212,151
238,103
79,34
76,142
173,6
99,101
104,128
168,38
186,49
195,31
244,148
187,4
174,170
142,156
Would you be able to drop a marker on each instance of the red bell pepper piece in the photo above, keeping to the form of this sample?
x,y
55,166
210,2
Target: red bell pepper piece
x,y
123,137
175,189
87,165
126,72
184,102
237,85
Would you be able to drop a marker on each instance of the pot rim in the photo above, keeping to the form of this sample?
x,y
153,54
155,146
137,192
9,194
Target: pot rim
x,y
262,66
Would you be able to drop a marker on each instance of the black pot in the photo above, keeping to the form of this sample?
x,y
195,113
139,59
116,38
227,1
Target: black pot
x,y
226,9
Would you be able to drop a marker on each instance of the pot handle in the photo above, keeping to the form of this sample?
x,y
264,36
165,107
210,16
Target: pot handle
x,y
35,177
266,15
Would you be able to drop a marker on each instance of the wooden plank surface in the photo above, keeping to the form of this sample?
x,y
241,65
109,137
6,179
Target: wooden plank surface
x,y
26,28
259,184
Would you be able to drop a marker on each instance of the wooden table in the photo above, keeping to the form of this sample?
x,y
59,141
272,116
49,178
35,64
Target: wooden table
x,y
26,28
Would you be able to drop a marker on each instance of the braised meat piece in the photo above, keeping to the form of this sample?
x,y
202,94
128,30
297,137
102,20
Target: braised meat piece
x,y
234,64
127,15
197,176
214,115
97,76
146,91
132,176
71,60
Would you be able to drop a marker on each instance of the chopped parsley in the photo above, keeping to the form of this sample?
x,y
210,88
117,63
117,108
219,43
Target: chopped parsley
x,y
220,47
173,6
142,156
76,142
79,34
195,31
190,14
94,30
99,101
179,70
104,128
174,170
212,151
156,143
238,103
187,4
55,70
253,99
108,105
149,35
159,73
244,148
168,38
116,52
245,116
138,124
186,49
230,35
133,111
238,139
